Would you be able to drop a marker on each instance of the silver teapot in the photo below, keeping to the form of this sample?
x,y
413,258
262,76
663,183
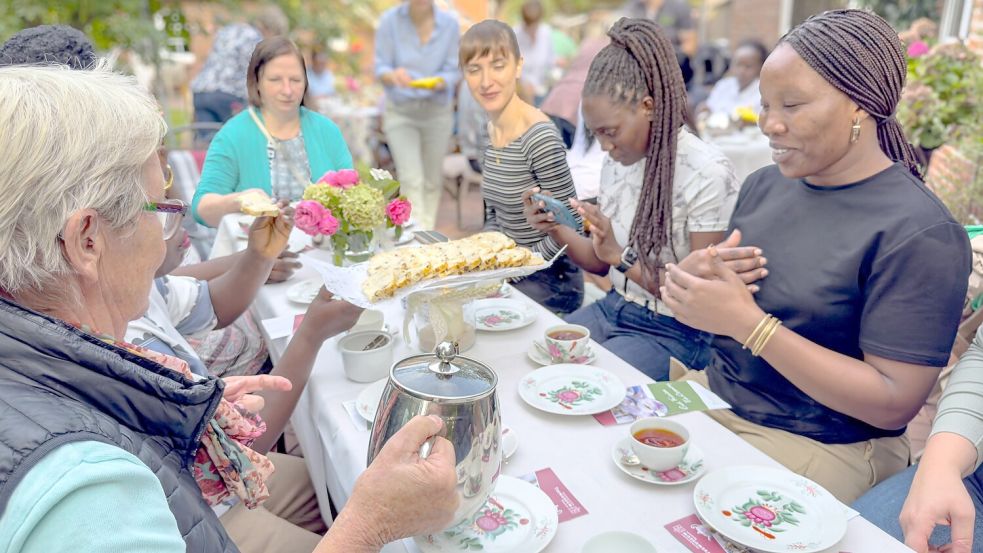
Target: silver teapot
x,y
460,391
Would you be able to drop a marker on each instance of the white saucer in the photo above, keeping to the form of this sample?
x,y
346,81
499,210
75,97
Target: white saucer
x,y
509,443
622,542
305,291
501,314
541,358
367,401
567,389
518,516
687,471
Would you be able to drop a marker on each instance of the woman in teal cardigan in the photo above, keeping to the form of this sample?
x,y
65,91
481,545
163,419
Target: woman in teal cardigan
x,y
276,146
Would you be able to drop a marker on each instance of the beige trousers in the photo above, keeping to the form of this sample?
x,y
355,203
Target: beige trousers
x,y
289,521
846,470
418,135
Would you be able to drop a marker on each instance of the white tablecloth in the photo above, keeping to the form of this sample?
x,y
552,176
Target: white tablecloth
x,y
747,150
578,449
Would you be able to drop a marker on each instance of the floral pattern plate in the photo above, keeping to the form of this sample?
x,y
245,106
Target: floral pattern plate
x,y
500,314
305,291
367,401
689,470
518,516
569,389
771,510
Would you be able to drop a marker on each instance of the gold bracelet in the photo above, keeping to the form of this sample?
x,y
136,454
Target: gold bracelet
x,y
754,333
759,340
767,338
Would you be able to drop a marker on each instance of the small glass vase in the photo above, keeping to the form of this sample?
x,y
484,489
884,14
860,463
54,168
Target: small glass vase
x,y
353,247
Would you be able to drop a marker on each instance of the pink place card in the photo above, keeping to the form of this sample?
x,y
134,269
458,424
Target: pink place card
x,y
297,320
567,506
691,532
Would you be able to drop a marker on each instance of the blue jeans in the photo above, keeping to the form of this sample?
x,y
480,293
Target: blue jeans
x,y
882,506
641,337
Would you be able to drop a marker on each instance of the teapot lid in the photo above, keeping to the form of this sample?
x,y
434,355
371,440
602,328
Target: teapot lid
x,y
444,376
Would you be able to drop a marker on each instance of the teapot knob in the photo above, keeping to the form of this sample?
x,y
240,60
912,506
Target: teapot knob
x,y
446,351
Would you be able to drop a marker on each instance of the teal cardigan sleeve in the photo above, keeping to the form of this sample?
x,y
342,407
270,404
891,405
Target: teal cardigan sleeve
x,y
237,157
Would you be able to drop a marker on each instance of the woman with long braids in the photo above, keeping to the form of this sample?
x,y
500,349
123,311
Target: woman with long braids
x,y
664,192
524,151
838,349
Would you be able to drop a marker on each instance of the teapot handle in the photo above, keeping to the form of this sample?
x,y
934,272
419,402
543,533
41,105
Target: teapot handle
x,y
427,446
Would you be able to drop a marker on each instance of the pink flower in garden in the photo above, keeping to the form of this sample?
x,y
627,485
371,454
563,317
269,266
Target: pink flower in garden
x,y
917,49
399,211
346,178
308,215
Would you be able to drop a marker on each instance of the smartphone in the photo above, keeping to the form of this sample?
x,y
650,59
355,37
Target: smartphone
x,y
560,211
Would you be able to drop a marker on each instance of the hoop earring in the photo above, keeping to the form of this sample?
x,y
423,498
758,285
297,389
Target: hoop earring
x,y
855,131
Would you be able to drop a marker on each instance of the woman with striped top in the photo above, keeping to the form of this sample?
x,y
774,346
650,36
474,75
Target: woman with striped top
x,y
525,152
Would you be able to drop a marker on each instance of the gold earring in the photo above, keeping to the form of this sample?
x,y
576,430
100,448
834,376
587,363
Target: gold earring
x,y
855,131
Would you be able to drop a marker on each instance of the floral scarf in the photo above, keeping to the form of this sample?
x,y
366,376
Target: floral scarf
x,y
224,464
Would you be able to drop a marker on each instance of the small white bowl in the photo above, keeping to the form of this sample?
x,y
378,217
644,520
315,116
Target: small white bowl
x,y
366,365
622,542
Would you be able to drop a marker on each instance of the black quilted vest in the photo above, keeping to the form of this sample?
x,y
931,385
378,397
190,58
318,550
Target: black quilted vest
x,y
60,385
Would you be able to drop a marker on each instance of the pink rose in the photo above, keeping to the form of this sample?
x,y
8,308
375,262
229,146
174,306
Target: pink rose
x,y
328,225
399,211
308,215
346,178
917,49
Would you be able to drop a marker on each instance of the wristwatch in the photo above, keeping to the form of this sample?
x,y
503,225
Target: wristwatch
x,y
628,259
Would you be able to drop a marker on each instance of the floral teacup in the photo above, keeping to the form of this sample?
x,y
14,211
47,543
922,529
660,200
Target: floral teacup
x,y
567,342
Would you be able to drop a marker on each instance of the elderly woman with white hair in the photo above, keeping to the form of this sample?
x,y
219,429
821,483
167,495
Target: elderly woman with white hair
x,y
106,446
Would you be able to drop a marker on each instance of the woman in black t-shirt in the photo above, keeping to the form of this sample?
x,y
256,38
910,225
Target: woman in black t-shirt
x,y
826,364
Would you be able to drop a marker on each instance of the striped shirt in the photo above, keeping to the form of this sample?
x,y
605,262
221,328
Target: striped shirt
x,y
537,158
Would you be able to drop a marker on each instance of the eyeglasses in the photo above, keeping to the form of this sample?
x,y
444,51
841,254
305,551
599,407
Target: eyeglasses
x,y
168,177
170,213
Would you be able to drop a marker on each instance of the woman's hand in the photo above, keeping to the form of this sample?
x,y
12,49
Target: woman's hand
x,y
746,261
327,316
721,305
268,236
535,213
606,247
398,77
938,496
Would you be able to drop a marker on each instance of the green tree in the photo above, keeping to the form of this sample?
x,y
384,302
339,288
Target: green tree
x,y
901,13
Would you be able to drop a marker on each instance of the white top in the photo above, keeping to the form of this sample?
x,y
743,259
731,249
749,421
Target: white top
x,y
537,56
585,163
727,97
704,192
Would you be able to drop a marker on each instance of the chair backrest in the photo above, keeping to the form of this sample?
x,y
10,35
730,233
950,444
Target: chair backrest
x,y
187,165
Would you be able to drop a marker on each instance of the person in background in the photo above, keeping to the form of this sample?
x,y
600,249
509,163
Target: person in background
x,y
676,19
219,89
320,78
48,44
937,503
867,269
277,146
663,193
535,39
524,152
416,40
112,447
740,89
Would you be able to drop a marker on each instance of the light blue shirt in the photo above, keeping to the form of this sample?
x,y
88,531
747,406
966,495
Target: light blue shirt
x,y
397,44
89,496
